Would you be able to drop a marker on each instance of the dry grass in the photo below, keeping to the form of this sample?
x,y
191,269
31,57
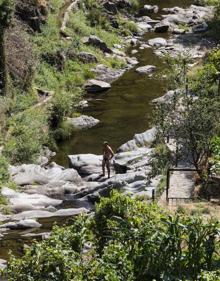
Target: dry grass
x,y
205,209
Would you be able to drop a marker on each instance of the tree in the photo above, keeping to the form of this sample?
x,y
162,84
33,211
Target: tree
x,y
191,116
6,13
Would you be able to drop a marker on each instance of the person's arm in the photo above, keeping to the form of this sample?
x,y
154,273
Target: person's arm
x,y
111,151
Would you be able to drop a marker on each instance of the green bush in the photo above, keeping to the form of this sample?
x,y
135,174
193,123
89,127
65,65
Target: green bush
x,y
27,133
61,106
125,239
209,276
4,173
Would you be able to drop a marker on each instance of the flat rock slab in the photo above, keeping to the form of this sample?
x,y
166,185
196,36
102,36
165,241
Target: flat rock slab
x,y
148,69
96,86
167,98
143,26
21,200
161,28
83,122
22,224
157,42
45,214
130,158
87,57
35,174
139,140
97,42
106,74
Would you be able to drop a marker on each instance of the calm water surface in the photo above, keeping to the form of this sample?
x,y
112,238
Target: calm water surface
x,y
126,108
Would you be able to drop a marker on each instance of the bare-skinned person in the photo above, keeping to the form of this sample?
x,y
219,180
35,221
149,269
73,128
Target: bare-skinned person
x,y
108,154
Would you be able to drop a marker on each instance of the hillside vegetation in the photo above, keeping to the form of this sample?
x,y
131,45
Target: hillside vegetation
x,y
41,61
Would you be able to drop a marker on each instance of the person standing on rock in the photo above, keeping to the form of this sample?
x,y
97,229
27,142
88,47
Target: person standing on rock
x,y
108,154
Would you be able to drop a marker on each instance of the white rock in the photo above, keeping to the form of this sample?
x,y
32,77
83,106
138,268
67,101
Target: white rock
x,y
22,224
83,122
22,201
157,42
143,26
148,69
95,86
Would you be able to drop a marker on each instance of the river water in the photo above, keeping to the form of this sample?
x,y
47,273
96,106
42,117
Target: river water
x,y
124,110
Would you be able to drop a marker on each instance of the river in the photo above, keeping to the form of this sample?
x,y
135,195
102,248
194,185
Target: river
x,y
126,108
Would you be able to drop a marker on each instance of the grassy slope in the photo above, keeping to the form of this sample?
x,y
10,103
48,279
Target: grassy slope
x,y
66,84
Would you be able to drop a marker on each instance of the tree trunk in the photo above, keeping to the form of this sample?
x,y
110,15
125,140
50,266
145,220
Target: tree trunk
x,y
3,65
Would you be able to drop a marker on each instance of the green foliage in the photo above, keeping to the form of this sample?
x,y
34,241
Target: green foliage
x,y
161,160
214,58
126,27
6,12
203,83
4,173
61,106
209,276
28,132
191,117
176,69
205,2
215,149
125,239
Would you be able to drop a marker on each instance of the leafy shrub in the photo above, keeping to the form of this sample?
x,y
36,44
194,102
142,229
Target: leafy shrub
x,y
209,276
28,132
61,106
126,239
4,173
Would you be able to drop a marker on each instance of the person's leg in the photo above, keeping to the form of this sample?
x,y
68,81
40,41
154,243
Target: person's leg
x,y
103,167
108,167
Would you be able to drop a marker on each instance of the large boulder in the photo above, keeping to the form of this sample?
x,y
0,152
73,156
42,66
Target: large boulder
x,y
148,9
203,27
35,174
148,69
139,140
83,122
22,224
148,20
96,86
111,7
123,4
167,98
97,42
157,42
86,164
104,73
174,10
144,27
161,28
87,57
130,158
34,13
20,201
28,215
